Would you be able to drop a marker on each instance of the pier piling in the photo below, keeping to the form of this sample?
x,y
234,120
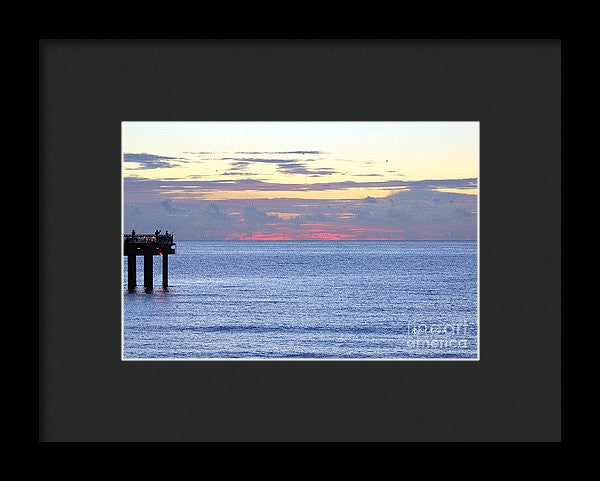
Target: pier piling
x,y
131,274
148,271
165,271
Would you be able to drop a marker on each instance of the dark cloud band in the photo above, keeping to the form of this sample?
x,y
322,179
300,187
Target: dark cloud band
x,y
254,184
285,152
152,161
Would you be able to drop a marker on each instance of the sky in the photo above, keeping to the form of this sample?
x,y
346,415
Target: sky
x,y
302,180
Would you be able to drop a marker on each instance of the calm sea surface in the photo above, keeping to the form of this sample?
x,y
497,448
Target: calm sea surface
x,y
388,299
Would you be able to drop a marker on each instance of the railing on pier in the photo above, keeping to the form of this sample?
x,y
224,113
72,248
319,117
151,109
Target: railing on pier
x,y
148,238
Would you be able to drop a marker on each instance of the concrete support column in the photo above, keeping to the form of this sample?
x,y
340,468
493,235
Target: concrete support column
x,y
165,270
148,273
131,280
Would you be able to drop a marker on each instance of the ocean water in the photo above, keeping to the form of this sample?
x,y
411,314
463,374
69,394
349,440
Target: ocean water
x,y
307,299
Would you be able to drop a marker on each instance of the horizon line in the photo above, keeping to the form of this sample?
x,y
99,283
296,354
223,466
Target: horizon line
x,y
327,240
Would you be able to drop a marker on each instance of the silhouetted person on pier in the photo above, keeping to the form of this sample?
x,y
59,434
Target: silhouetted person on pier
x,y
156,232
133,235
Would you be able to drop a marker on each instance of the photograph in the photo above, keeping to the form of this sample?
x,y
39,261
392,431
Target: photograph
x,y
291,241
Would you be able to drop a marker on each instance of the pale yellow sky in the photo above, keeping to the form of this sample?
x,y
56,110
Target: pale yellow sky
x,y
272,152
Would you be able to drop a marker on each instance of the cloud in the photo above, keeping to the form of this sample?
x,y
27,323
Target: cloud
x,y
133,210
143,186
249,160
243,162
151,161
256,218
300,168
237,172
167,204
285,166
463,212
408,214
212,223
446,183
285,152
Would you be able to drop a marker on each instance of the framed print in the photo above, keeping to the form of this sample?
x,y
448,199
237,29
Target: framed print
x,y
300,240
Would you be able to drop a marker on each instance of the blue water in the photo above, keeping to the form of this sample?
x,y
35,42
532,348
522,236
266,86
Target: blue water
x,y
388,299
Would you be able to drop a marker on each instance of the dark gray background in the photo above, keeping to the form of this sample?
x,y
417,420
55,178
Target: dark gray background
x,y
88,87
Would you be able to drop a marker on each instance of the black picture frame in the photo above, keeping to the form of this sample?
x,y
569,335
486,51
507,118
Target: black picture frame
x,y
87,87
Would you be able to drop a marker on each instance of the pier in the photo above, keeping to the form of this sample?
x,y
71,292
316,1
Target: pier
x,y
147,245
